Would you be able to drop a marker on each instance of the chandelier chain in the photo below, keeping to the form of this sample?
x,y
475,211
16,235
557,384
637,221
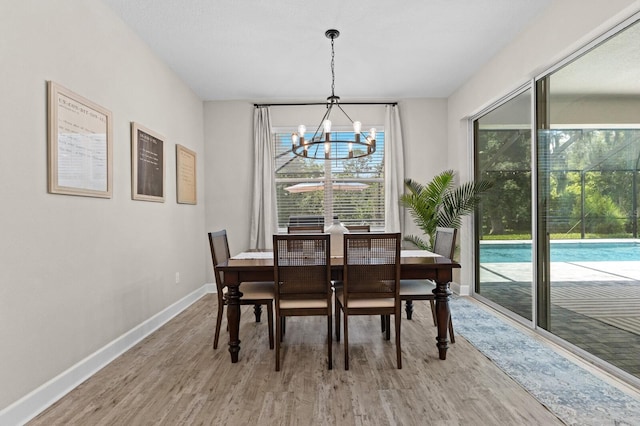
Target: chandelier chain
x,y
333,74
324,145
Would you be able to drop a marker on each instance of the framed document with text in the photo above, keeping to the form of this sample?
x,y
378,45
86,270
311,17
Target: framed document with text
x,y
185,175
79,145
147,164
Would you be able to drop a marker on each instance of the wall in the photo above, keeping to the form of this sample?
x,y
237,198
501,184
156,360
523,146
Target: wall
x,y
563,28
228,130
78,272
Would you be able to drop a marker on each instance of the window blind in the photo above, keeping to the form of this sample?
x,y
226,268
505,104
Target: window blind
x,y
352,189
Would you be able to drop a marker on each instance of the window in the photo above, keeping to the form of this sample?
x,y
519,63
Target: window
x,y
351,189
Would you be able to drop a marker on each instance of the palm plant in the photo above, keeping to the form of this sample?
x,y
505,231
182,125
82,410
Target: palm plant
x,y
440,203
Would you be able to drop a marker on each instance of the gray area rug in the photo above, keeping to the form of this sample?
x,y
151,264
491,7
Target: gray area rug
x,y
575,395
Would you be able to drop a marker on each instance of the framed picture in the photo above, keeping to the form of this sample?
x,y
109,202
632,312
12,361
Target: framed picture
x,y
79,145
147,164
185,175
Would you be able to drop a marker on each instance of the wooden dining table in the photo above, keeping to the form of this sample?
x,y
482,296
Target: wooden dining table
x,y
414,264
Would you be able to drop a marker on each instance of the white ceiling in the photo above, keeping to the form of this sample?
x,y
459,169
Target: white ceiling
x,y
276,49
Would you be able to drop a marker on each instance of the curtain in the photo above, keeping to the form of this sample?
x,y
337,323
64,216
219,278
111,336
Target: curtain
x,y
264,212
393,170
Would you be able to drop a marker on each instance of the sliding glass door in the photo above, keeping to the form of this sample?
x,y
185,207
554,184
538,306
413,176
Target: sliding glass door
x,y
588,151
557,238
503,156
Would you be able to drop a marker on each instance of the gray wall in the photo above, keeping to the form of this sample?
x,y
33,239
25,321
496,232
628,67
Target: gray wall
x,y
78,272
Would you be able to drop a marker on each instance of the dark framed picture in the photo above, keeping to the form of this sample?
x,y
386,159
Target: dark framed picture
x,y
147,164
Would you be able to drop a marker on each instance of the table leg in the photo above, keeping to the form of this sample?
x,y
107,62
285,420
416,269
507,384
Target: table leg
x,y
442,294
233,320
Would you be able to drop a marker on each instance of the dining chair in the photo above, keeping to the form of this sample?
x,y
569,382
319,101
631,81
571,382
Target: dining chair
x,y
370,283
352,229
253,293
301,229
358,228
305,229
302,273
410,290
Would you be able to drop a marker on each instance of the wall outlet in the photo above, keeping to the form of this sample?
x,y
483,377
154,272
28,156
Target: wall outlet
x,y
177,277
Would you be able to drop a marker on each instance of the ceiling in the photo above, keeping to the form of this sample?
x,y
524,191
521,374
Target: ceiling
x,y
276,49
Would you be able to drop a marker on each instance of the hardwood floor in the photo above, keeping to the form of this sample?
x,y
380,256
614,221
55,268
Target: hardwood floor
x,y
174,377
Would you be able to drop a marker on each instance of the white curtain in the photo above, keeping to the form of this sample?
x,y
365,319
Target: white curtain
x,y
393,170
264,212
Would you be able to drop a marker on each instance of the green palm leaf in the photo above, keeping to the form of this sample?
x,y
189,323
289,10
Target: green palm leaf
x,y
440,203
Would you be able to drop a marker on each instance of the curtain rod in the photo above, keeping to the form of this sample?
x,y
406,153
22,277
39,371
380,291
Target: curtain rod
x,y
326,103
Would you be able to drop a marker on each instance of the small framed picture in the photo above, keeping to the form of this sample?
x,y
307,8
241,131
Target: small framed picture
x,y
185,175
147,164
79,145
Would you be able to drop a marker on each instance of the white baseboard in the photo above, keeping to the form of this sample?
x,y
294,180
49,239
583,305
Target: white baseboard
x,y
32,404
459,289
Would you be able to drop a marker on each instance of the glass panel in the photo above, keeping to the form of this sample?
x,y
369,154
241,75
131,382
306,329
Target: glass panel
x,y
503,155
588,155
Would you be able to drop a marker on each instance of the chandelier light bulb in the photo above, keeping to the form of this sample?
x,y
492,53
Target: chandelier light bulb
x,y
357,127
301,129
372,133
327,126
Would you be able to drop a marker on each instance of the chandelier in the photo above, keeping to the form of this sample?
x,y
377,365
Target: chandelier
x,y
322,145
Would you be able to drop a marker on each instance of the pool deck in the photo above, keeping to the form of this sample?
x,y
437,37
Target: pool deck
x,y
563,271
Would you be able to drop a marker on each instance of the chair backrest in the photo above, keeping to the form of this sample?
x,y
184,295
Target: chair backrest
x,y
305,229
358,228
445,242
302,266
219,246
371,265
314,220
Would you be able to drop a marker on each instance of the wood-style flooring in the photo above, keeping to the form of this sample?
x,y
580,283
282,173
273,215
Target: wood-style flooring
x,y
174,377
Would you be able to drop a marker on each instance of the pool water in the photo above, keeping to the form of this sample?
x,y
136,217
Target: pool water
x,y
562,252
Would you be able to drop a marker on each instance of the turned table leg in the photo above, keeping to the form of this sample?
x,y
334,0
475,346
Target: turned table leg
x,y
233,320
442,295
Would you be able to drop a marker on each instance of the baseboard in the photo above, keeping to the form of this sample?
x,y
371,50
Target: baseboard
x,y
32,404
459,289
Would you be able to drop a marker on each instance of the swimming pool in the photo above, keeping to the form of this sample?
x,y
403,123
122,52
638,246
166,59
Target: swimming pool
x,y
562,251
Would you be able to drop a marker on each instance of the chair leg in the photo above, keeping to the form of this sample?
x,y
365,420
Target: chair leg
x,y
387,321
433,312
270,323
382,323
397,319
338,311
257,310
278,339
284,325
452,337
346,341
216,335
408,307
330,340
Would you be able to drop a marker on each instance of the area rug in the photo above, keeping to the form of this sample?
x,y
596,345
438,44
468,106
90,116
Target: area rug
x,y
574,394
